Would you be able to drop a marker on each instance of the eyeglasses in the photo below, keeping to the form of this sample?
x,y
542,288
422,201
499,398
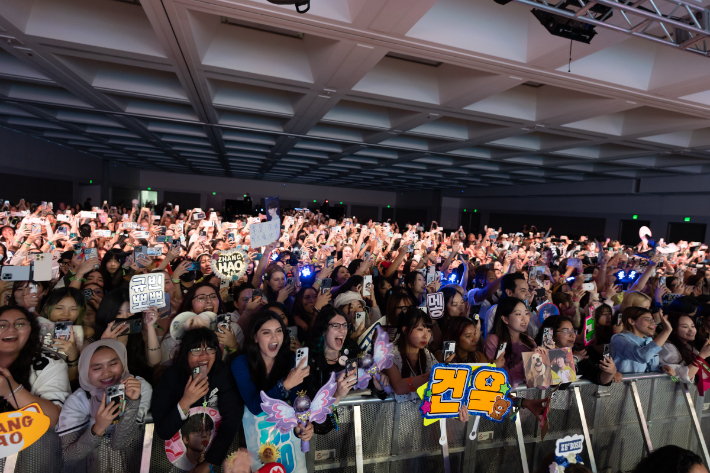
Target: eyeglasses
x,y
202,298
339,326
566,331
64,263
19,326
403,308
198,351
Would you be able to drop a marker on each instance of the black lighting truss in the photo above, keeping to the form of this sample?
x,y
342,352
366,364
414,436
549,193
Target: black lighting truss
x,y
680,24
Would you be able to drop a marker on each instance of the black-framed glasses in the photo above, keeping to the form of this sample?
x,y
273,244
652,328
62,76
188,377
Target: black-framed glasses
x,y
335,326
404,308
198,351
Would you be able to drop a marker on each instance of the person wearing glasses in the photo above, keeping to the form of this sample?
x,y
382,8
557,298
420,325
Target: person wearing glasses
x,y
637,348
197,383
94,294
30,375
204,298
330,348
66,305
268,365
590,365
397,304
114,320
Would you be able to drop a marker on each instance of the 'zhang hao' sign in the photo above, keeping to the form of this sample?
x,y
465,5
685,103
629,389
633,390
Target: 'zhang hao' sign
x,y
230,264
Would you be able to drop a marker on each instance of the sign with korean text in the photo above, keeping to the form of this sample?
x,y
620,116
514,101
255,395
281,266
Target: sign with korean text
x,y
146,290
482,390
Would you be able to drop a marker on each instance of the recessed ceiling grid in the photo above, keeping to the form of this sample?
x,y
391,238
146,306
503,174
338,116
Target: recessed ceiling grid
x,y
356,93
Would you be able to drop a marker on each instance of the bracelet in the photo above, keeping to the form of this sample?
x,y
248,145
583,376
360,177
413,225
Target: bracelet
x,y
176,281
153,349
15,391
409,382
211,469
73,361
73,365
77,279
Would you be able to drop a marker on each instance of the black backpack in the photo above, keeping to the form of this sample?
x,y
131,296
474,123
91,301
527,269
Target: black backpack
x,y
298,3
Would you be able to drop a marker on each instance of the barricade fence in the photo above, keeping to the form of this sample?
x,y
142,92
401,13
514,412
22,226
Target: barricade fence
x,y
621,423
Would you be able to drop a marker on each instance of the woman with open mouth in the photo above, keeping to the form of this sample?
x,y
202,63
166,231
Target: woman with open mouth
x,y
332,349
269,366
33,376
99,420
198,383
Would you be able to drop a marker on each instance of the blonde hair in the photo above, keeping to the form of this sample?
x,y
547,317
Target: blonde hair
x,y
635,299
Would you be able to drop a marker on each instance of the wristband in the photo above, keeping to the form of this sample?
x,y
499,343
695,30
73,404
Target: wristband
x,y
15,391
176,281
409,383
73,361
77,279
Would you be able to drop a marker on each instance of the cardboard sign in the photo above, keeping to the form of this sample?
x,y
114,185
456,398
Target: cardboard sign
x,y
229,265
146,290
265,233
537,369
545,310
20,429
562,366
435,304
570,445
482,389
589,326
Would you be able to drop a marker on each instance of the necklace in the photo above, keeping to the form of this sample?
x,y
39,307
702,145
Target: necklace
x,y
411,369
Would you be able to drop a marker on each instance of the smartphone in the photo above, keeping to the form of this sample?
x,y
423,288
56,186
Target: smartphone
x,y
203,236
133,325
195,266
547,339
367,280
88,294
588,286
230,237
36,229
291,281
223,321
117,393
662,281
164,239
449,348
351,367
359,318
199,372
62,330
292,332
325,285
606,352
501,349
257,293
302,353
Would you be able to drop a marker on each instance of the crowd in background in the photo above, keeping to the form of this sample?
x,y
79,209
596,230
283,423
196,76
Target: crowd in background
x,y
326,284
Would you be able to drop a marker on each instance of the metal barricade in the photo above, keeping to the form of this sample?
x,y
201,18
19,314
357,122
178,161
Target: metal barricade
x,y
621,423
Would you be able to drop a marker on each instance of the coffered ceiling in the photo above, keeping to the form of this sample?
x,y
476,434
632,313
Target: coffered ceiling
x,y
388,94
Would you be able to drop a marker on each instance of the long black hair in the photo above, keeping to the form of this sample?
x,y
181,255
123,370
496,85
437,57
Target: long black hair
x,y
195,338
106,314
410,319
120,256
257,367
506,306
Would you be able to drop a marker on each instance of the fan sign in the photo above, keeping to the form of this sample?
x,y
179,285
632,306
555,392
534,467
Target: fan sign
x,y
545,310
570,445
146,290
230,264
20,429
483,390
435,304
589,326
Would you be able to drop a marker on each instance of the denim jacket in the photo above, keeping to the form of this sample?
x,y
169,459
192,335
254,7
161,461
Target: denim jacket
x,y
633,354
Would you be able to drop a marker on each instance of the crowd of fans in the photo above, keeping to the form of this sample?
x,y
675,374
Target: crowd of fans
x,y
325,284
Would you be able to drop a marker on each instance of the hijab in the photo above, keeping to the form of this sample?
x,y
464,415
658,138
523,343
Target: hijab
x,y
85,363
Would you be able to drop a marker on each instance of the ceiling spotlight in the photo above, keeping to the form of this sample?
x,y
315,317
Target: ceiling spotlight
x,y
571,28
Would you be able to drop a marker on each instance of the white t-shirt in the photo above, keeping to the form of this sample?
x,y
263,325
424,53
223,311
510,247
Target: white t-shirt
x,y
49,379
397,360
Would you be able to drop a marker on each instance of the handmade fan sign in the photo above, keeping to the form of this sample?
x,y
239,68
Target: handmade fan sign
x,y
483,390
229,265
286,417
546,310
20,429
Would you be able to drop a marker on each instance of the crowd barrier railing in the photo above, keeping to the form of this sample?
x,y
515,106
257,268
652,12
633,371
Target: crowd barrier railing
x,y
620,423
